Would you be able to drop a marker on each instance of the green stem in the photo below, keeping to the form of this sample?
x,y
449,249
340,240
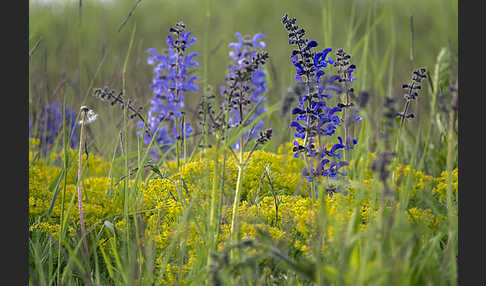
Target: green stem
x,y
184,147
126,200
64,134
177,144
236,202
214,204
80,168
212,212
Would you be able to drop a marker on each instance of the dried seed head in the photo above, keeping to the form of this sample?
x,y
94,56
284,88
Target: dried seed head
x,y
91,116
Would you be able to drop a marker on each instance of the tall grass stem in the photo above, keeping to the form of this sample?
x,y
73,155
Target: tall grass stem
x,y
80,181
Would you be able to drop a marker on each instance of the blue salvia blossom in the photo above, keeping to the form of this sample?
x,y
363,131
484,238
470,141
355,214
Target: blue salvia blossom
x,y
51,125
252,84
172,79
245,84
315,118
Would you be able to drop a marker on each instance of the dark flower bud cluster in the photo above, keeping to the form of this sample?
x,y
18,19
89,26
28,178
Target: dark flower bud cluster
x,y
406,116
245,83
51,125
107,94
345,77
206,113
390,108
264,136
243,79
345,67
411,94
302,57
380,165
314,117
389,116
363,98
173,69
332,189
417,76
180,40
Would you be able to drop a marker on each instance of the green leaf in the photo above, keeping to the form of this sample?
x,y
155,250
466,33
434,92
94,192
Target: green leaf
x,y
442,71
55,187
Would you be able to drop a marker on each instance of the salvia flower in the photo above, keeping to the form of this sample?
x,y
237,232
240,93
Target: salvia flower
x,y
51,125
246,82
411,94
173,69
350,112
315,118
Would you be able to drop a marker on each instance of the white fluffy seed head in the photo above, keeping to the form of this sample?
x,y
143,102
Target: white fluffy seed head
x,y
91,116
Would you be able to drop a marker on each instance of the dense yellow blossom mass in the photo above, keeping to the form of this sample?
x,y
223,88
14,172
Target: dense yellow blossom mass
x,y
274,200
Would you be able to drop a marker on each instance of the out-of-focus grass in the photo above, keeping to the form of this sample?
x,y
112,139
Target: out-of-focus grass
x,y
90,50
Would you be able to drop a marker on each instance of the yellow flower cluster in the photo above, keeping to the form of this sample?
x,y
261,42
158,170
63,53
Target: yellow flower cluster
x,y
426,217
284,172
426,183
441,188
46,227
162,201
46,183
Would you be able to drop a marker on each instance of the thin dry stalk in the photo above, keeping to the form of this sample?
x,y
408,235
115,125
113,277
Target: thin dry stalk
x,y
31,52
129,15
84,109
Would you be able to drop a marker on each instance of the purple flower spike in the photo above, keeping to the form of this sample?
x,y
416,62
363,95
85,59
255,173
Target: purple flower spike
x,y
314,117
171,81
246,74
51,124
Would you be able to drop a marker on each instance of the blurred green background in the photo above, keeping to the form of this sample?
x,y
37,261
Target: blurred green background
x,y
81,46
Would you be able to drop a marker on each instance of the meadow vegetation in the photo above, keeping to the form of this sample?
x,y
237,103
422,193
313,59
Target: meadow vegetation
x,y
243,143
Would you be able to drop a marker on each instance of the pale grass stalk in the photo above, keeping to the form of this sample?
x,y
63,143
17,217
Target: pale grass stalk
x,y
241,166
84,109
